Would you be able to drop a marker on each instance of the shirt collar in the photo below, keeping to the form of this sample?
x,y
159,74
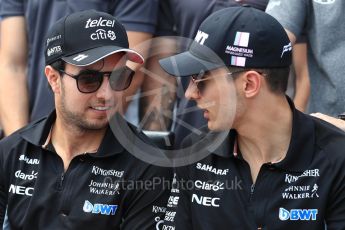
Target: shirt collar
x,y
301,149
38,133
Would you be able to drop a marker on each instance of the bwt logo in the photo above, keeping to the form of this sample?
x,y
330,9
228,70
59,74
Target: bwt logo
x,y
297,214
103,209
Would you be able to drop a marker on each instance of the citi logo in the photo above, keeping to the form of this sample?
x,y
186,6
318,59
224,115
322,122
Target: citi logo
x,y
103,209
297,214
103,34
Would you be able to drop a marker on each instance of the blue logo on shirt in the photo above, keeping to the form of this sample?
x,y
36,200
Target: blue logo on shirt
x,y
103,209
297,214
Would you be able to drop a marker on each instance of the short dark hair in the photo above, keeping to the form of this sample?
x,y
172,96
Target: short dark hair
x,y
58,65
276,78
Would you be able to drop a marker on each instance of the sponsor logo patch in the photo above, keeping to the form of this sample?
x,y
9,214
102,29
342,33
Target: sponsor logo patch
x,y
21,190
102,209
206,201
297,214
210,168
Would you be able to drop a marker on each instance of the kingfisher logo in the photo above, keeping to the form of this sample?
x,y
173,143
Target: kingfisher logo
x,y
297,214
103,209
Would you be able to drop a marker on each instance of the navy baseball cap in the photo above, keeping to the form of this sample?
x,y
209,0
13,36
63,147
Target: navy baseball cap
x,y
236,36
86,37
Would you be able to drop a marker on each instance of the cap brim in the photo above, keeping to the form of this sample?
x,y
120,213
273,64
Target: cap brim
x,y
186,64
91,56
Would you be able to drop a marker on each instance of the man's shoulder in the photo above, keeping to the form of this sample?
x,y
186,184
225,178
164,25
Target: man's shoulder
x,y
330,140
16,138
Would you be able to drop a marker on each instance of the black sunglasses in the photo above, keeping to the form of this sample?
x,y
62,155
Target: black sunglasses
x,y
199,80
89,81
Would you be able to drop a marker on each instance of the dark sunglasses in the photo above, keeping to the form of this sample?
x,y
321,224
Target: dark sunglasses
x,y
199,80
89,81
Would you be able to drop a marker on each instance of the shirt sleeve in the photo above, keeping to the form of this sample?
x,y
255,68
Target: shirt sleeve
x,y
3,193
290,13
146,207
335,212
137,15
178,213
11,8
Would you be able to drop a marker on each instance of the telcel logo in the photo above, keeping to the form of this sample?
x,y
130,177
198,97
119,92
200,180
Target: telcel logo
x,y
297,214
103,209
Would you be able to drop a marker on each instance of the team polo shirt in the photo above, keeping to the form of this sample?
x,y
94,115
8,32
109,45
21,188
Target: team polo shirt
x,y
306,190
109,189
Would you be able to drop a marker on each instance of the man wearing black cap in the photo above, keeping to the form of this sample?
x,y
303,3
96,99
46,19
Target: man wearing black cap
x,y
278,168
69,171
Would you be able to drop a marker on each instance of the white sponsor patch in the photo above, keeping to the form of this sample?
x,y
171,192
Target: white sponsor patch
x,y
54,50
103,34
100,22
80,57
206,201
297,214
287,48
201,37
23,176
308,173
30,161
106,172
21,190
209,186
211,169
325,2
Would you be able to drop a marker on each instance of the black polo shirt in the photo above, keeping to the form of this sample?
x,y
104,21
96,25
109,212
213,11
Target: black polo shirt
x,y
306,190
110,189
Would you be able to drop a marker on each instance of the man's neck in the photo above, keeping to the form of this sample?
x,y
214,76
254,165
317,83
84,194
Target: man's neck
x,y
264,137
70,141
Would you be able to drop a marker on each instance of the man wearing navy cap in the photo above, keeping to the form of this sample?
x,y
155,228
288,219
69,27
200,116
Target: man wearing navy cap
x,y
69,170
278,168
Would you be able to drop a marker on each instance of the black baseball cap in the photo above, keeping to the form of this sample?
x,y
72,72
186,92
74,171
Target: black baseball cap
x,y
239,36
85,37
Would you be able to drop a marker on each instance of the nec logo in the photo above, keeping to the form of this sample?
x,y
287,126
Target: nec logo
x,y
201,37
297,214
21,190
206,201
103,209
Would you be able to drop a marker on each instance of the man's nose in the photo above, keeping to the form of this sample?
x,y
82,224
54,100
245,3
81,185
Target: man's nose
x,y
192,92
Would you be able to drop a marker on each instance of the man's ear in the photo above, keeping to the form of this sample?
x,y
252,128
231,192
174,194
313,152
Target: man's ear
x,y
53,77
252,82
